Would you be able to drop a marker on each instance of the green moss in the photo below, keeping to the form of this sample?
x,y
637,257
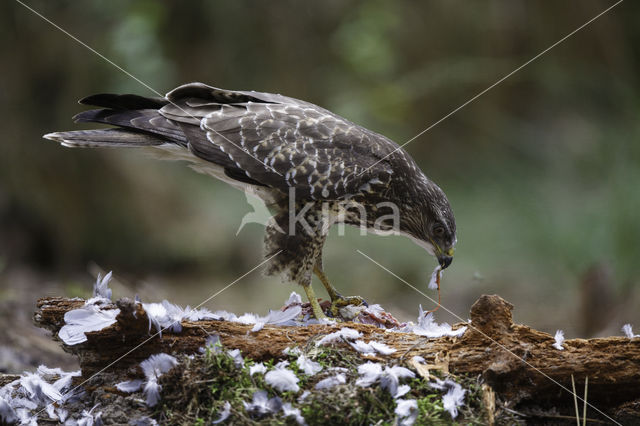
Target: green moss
x,y
195,393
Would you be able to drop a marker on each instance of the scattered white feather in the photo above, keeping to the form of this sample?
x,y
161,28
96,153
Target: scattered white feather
x,y
175,316
308,366
362,347
63,380
330,382
282,364
83,320
164,316
402,390
285,317
257,327
20,398
7,413
418,359
338,369
282,379
26,418
28,404
224,414
369,374
51,411
372,347
453,398
433,282
212,344
289,411
36,388
43,370
429,328
89,418
152,392
154,367
382,348
294,299
225,316
350,312
169,316
343,334
236,355
101,287
262,404
248,318
198,314
158,364
277,317
389,377
304,396
130,386
559,340
407,411
375,310
60,413
291,351
628,331
257,368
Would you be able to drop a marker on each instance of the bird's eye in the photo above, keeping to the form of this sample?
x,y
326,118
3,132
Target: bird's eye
x,y
438,230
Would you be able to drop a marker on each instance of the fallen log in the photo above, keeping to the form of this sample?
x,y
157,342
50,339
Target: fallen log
x,y
517,362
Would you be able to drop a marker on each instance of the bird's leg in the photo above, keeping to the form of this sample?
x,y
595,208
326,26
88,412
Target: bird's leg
x,y
313,300
333,293
337,300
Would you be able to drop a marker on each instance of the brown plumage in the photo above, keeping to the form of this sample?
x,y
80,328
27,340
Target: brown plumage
x,y
302,160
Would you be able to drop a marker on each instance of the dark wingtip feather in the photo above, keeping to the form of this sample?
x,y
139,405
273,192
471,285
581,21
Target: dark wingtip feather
x,y
112,101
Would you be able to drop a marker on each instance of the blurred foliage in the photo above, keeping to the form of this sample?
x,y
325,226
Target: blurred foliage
x,y
542,171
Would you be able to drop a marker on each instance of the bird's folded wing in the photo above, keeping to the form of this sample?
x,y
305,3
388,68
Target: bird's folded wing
x,y
280,142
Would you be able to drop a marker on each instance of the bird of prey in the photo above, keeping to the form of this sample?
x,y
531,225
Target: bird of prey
x,y
312,167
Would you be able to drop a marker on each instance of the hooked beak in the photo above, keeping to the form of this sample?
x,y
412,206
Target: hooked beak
x,y
445,259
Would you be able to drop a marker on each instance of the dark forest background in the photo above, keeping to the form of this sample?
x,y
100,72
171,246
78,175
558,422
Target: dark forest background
x,y
542,171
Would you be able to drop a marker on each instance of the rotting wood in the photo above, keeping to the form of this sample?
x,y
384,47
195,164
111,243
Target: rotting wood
x,y
518,362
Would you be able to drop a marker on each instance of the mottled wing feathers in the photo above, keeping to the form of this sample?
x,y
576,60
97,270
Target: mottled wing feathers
x,y
258,138
280,142
198,94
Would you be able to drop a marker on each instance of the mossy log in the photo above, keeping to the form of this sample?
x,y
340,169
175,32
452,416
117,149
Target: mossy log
x,y
518,362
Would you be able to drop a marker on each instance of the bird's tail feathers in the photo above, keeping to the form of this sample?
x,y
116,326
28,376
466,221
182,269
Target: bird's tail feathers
x,y
104,138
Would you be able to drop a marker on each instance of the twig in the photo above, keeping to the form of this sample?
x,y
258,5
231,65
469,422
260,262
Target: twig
x,y
575,400
584,406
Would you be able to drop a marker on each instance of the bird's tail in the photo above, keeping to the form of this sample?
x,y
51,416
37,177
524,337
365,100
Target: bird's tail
x,y
137,118
103,138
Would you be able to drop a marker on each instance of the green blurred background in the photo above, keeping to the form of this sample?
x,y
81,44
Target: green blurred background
x,y
542,171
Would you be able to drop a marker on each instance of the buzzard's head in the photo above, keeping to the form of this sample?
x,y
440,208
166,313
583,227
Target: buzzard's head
x,y
442,236
433,225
